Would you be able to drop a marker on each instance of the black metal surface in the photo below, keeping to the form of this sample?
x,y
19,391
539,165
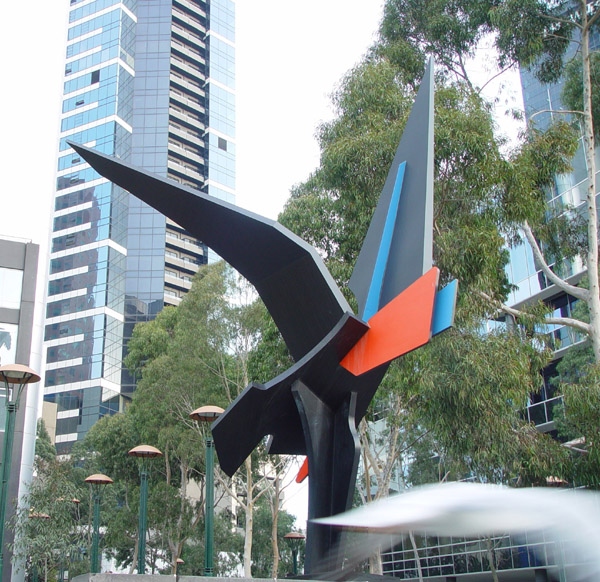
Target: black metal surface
x,y
270,409
333,451
287,272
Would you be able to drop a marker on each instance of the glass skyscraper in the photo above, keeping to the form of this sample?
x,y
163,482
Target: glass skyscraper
x,y
152,82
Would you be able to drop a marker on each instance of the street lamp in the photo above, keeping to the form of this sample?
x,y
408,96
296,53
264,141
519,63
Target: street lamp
x,y
294,539
96,482
178,563
208,414
13,375
143,453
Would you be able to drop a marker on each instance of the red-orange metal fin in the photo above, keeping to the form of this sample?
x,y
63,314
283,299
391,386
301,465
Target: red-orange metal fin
x,y
303,472
397,328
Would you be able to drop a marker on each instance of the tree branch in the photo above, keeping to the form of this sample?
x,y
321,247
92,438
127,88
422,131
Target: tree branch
x,y
558,111
568,321
562,20
495,76
578,292
593,20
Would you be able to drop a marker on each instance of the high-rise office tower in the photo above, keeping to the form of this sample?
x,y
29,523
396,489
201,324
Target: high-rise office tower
x,y
152,82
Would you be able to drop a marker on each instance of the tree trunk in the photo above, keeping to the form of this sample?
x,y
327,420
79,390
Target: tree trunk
x,y
274,523
135,554
589,146
413,543
249,509
175,542
490,556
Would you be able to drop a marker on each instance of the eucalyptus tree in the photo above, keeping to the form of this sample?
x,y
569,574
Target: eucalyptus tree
x,y
49,530
482,198
198,354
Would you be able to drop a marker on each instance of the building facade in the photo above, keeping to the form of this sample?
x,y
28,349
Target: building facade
x,y
20,330
152,82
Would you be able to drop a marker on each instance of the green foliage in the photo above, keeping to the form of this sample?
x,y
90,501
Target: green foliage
x,y
48,525
449,30
532,170
578,380
464,393
475,416
229,542
45,451
533,32
572,94
262,553
580,421
185,358
150,339
357,148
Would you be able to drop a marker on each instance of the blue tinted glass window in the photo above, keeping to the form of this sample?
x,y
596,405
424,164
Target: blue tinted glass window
x,y
222,62
79,177
96,58
77,260
100,22
103,135
99,193
222,18
74,327
89,116
94,234
90,79
90,9
222,110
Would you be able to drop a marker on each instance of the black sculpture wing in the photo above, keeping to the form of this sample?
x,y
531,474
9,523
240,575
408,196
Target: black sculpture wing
x,y
288,273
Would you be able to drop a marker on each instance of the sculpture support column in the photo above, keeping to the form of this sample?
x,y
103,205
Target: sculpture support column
x,y
333,452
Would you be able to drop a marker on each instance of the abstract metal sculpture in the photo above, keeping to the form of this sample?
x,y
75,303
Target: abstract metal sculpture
x,y
313,408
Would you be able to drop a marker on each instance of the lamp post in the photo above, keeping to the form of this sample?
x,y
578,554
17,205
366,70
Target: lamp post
x,y
208,414
178,563
14,376
143,453
96,482
294,539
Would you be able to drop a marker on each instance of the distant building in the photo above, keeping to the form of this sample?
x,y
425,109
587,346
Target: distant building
x,y
152,82
20,330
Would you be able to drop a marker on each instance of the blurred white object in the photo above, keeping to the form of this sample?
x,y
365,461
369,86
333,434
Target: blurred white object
x,y
471,510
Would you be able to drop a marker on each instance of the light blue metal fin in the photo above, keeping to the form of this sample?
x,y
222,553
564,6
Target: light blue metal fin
x,y
444,307
372,304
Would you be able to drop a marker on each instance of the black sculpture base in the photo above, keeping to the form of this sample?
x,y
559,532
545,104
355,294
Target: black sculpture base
x,y
333,451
